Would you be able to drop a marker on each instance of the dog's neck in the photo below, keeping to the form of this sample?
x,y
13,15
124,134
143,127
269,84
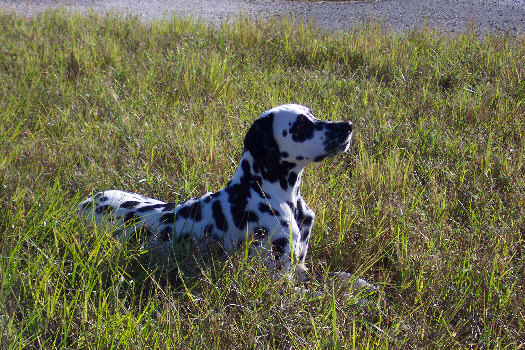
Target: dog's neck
x,y
283,183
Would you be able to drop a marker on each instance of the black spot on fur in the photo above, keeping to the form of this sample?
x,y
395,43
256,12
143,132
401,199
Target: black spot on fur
x,y
305,235
302,129
247,175
169,206
292,178
264,208
207,199
320,158
98,195
104,209
288,165
150,207
299,213
168,218
259,141
103,199
238,196
131,219
299,157
284,223
283,173
85,205
193,211
278,247
251,216
129,204
283,183
218,216
304,221
256,187
307,221
165,234
284,154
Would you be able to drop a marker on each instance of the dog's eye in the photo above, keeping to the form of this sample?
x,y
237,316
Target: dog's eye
x,y
304,121
302,129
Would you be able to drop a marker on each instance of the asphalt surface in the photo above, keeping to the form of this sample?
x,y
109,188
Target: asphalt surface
x,y
451,16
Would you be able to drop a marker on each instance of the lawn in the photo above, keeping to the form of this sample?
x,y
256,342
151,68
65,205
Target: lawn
x,y
428,205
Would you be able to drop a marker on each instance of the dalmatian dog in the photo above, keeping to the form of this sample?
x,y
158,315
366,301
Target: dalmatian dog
x,y
260,206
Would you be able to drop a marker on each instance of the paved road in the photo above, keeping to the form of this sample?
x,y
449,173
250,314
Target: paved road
x,y
451,16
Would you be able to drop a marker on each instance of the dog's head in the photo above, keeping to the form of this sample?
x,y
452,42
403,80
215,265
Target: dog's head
x,y
290,135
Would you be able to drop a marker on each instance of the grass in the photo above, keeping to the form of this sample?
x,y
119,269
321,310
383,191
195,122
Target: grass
x,y
428,205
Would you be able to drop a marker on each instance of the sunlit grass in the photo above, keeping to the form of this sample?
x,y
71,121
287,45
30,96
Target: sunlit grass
x,y
428,205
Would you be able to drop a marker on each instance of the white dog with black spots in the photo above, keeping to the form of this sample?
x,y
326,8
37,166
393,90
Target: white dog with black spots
x,y
262,203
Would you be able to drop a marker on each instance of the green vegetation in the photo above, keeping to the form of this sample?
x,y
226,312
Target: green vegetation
x,y
428,205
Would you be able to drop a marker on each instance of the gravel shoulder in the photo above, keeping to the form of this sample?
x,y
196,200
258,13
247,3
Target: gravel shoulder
x,y
450,16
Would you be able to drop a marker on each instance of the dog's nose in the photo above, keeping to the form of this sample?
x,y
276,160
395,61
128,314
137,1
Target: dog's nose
x,y
345,126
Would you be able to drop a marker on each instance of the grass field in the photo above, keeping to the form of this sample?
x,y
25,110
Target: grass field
x,y
428,205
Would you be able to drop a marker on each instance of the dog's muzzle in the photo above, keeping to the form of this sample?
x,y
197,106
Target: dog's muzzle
x,y
337,137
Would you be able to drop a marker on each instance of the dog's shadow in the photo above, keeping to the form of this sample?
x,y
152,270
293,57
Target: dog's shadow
x,y
187,270
179,271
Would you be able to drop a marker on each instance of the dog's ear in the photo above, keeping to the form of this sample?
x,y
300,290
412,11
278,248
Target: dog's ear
x,y
261,144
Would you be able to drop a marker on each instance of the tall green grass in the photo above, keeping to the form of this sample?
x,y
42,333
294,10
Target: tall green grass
x,y
428,205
